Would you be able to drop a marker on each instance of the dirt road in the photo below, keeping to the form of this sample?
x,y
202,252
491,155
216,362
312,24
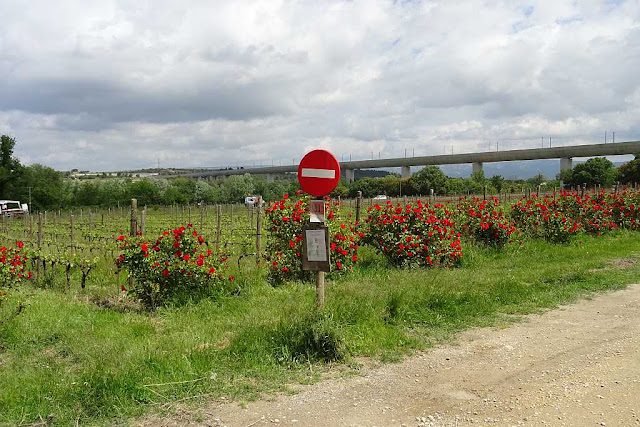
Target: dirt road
x,y
576,366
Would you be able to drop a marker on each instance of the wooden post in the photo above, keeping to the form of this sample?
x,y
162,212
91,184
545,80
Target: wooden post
x,y
201,217
133,229
320,290
189,213
259,231
218,227
90,220
358,207
31,226
40,230
484,192
143,220
73,248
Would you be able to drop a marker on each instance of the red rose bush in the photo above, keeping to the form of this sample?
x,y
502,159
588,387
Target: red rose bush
x,y
414,235
482,220
175,267
286,220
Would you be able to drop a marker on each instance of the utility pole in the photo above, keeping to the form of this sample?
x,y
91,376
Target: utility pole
x,y
605,136
549,142
613,139
29,197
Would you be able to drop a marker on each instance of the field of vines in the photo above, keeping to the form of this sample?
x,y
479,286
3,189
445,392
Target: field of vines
x,y
108,314
78,246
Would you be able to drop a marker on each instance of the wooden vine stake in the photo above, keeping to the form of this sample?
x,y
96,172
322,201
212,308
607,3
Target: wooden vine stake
x,y
143,220
218,227
358,207
133,230
259,230
73,247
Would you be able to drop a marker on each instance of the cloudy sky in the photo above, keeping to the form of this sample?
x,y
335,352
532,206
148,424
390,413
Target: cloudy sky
x,y
111,85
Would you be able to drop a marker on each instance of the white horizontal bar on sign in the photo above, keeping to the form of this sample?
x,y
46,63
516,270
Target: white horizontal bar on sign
x,y
318,173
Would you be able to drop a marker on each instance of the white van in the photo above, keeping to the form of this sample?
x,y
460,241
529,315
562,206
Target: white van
x,y
13,208
251,201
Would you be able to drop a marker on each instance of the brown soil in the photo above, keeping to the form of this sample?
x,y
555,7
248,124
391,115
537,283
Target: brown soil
x,y
576,366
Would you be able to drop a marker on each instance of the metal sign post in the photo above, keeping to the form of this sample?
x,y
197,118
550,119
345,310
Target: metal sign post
x,y
316,255
318,174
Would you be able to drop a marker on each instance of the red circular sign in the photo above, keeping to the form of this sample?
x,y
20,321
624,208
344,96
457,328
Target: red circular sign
x,y
319,173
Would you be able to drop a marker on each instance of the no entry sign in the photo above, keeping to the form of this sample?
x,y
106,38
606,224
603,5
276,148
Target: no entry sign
x,y
319,173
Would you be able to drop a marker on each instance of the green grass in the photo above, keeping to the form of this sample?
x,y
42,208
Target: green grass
x,y
68,357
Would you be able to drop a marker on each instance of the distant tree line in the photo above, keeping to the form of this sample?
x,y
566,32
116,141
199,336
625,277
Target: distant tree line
x,y
49,189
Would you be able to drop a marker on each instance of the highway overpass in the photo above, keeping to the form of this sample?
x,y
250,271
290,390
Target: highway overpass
x,y
565,154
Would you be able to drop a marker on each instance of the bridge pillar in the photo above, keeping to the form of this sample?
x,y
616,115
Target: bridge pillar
x,y
270,178
566,163
476,167
405,172
350,175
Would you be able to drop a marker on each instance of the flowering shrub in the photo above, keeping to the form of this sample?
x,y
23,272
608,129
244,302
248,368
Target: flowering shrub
x,y
543,218
286,219
420,235
624,209
175,267
557,217
13,269
482,220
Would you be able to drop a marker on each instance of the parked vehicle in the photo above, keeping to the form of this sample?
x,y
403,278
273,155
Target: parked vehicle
x,y
251,201
381,197
13,208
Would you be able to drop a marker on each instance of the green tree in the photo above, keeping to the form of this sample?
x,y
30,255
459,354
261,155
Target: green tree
x,y
145,191
430,177
455,187
392,185
479,178
498,182
566,177
370,187
597,170
341,190
536,180
46,186
630,172
10,167
235,188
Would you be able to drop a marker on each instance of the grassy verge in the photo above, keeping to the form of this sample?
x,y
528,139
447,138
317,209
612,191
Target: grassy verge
x,y
71,358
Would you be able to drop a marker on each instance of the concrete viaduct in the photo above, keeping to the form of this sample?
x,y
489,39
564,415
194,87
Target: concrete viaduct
x,y
565,154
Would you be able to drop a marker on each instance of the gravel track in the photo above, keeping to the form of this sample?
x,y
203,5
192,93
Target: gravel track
x,y
578,365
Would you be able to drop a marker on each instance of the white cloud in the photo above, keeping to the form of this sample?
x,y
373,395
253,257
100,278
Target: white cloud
x,y
118,84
